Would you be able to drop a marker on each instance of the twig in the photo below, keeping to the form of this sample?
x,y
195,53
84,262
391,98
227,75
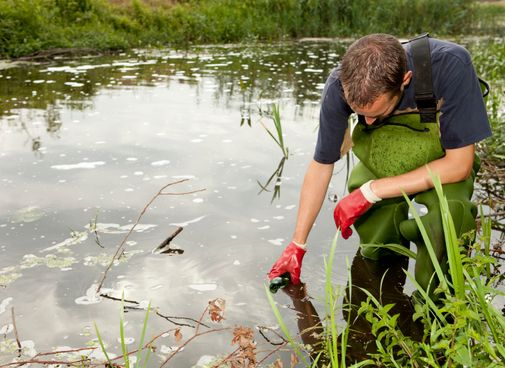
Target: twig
x,y
146,345
170,238
201,318
169,319
107,296
225,359
261,328
44,362
64,351
16,332
189,340
121,245
271,353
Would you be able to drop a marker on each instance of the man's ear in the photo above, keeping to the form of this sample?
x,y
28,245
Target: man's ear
x,y
406,78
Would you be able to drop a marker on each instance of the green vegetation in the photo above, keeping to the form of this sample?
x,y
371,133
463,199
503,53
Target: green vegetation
x,y
141,359
462,327
29,26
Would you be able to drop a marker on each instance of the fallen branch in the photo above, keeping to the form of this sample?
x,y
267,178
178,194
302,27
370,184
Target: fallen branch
x,y
169,319
119,250
107,296
261,328
169,239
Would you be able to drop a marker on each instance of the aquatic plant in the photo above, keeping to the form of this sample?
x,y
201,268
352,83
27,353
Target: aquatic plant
x,y
278,137
461,325
141,359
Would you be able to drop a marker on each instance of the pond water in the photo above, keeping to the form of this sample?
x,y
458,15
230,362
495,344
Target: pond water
x,y
86,143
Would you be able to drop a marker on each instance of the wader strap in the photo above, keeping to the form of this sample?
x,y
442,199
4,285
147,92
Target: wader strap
x,y
423,83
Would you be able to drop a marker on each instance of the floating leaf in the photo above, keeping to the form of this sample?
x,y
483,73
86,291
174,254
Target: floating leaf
x,y
178,335
216,309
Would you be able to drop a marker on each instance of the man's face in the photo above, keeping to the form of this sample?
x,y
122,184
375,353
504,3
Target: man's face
x,y
381,108
384,105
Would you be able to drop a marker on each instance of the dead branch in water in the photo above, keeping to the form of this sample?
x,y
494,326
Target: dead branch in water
x,y
170,238
120,249
16,332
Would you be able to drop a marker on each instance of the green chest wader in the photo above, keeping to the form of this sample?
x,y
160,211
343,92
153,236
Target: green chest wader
x,y
397,145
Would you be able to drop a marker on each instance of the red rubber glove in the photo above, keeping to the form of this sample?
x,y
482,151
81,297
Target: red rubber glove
x,y
349,209
289,261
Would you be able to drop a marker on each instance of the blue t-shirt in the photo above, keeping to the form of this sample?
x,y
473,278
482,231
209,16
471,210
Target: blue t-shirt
x,y
463,118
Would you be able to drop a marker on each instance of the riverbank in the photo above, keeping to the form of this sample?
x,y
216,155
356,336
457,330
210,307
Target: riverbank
x,y
28,27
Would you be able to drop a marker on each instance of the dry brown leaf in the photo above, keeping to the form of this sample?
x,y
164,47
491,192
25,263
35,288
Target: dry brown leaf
x,y
278,363
178,335
244,337
294,360
216,309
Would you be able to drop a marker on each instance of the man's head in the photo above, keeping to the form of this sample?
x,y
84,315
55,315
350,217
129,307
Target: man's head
x,y
373,73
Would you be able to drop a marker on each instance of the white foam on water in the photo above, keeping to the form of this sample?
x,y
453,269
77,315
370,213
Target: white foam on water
x,y
290,207
264,227
4,304
204,286
278,241
80,165
160,163
91,296
74,84
183,177
127,341
8,328
186,223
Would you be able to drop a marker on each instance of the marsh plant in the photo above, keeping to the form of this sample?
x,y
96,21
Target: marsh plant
x,y
275,115
461,325
142,353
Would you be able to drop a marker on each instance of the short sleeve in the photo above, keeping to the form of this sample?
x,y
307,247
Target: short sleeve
x,y
463,119
333,118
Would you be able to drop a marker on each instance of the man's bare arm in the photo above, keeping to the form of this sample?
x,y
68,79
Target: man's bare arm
x,y
313,192
455,166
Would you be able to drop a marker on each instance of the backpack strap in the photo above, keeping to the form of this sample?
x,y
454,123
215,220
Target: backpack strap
x,y
423,82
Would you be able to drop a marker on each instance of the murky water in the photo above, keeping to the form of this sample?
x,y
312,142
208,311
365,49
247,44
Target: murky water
x,y
86,143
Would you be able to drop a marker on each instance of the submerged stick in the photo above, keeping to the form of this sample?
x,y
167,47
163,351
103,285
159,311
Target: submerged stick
x,y
16,332
119,250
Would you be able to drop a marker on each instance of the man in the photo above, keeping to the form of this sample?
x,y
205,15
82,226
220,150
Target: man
x,y
420,110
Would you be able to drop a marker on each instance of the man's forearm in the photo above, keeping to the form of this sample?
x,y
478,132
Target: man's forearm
x,y
455,166
312,195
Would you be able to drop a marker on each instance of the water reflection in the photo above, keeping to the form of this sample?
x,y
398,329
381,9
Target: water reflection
x,y
251,73
385,280
277,175
103,134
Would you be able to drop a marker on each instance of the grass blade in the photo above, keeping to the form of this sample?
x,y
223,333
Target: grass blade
x,y
102,345
451,241
429,246
142,335
283,326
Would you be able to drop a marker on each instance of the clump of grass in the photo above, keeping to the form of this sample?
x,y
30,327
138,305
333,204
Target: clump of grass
x,y
462,327
27,26
142,357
